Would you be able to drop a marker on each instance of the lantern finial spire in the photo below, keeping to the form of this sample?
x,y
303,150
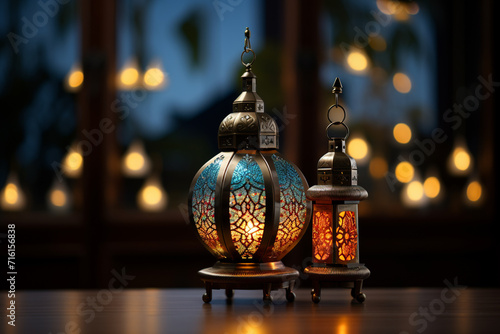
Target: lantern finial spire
x,y
337,86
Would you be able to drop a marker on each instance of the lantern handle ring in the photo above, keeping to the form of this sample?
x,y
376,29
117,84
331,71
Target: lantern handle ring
x,y
246,49
337,137
336,106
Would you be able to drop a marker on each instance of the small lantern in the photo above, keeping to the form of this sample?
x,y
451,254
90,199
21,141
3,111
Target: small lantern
x,y
335,214
248,204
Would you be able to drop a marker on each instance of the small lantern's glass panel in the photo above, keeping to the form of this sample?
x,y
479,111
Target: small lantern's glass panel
x,y
204,206
322,234
247,207
346,236
293,205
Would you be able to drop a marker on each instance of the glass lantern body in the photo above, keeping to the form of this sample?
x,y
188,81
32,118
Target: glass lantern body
x,y
335,233
249,206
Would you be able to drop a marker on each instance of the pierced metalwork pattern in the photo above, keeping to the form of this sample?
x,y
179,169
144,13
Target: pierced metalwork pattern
x,y
227,124
346,238
322,235
204,206
247,207
293,205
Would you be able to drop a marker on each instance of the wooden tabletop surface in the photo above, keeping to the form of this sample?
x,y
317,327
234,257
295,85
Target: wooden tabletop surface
x,y
449,309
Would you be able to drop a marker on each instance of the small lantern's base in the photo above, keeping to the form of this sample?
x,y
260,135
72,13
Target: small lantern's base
x,y
349,277
249,276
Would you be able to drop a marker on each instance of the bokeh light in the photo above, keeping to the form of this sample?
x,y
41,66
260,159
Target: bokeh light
x,y
402,133
378,167
432,187
357,61
357,148
404,172
75,79
401,82
474,191
154,78
415,191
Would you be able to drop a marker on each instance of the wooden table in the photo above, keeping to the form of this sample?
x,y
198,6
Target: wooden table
x,y
412,310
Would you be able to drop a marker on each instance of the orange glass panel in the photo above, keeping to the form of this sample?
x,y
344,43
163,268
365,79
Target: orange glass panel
x,y
293,206
346,238
322,234
247,207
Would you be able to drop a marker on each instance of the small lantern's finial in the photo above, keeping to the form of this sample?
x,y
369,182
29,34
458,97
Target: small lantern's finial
x,y
337,86
337,89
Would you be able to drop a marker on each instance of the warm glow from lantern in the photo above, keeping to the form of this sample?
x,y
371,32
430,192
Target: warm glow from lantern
x,y
402,133
401,82
151,196
378,167
342,329
322,234
357,61
136,163
432,187
474,191
346,236
404,172
357,148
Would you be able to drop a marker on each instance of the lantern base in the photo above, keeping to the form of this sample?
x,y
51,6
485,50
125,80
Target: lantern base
x,y
351,277
249,276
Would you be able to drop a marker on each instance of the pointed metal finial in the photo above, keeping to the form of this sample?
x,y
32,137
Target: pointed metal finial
x,y
337,86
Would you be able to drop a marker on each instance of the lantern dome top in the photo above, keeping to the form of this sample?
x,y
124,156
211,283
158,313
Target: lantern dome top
x,y
248,127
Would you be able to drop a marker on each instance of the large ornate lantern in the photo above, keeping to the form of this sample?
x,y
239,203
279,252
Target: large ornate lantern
x,y
248,204
335,214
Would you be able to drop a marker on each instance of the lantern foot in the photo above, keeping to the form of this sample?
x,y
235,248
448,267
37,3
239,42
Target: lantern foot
x,y
290,295
316,292
351,277
249,276
207,296
356,291
267,294
229,293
